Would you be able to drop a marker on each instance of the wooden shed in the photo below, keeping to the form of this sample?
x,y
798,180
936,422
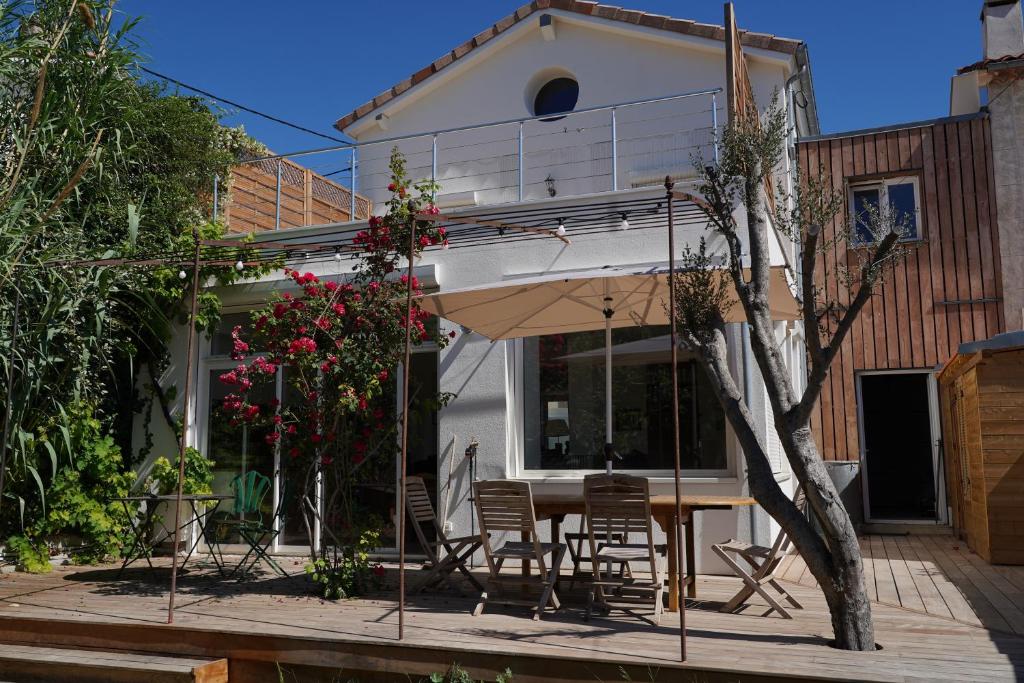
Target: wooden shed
x,y
982,396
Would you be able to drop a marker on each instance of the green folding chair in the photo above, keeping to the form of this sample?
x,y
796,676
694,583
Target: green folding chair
x,y
250,489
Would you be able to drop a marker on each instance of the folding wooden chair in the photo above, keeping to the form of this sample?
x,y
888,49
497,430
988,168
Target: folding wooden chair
x,y
457,551
763,562
619,505
508,506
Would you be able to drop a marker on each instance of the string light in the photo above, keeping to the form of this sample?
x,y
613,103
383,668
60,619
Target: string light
x,y
239,266
182,274
337,254
624,225
561,228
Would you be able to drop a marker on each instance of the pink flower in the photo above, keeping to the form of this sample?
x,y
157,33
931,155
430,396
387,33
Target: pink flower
x,y
279,310
291,429
382,375
379,571
331,286
229,377
451,335
272,438
323,323
315,438
339,309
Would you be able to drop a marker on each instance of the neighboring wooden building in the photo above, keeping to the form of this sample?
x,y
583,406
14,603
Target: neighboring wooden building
x,y
306,198
879,403
982,390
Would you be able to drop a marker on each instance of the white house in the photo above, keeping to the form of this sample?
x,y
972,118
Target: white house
x,y
637,97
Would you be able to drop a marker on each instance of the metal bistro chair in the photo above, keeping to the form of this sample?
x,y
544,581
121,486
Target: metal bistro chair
x,y
250,490
619,505
504,505
763,563
456,551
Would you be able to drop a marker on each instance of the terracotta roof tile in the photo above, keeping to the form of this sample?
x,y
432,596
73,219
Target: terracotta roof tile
x,y
587,7
978,66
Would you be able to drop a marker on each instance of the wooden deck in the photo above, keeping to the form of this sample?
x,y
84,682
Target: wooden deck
x,y
259,625
936,575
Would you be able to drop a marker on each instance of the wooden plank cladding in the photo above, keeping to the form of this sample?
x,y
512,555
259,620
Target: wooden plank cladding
x,y
943,290
307,198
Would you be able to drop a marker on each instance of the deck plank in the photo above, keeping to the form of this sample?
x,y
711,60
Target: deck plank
x,y
274,619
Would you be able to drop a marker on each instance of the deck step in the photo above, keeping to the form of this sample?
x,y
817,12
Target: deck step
x,y
31,663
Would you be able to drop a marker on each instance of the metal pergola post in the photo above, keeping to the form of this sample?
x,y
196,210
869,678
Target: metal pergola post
x,y
680,571
186,420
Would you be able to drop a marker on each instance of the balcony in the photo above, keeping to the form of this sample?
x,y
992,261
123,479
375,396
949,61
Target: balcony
x,y
589,151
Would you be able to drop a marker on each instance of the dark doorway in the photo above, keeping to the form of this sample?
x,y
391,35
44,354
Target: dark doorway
x,y
897,448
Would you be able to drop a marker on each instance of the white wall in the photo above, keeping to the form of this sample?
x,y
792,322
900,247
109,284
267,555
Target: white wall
x,y
613,63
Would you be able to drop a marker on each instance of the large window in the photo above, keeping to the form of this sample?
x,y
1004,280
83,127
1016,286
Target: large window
x,y
902,198
564,404
237,449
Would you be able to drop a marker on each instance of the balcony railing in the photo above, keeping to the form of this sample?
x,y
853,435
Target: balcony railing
x,y
598,149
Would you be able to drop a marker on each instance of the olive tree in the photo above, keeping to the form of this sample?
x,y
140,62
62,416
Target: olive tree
x,y
731,195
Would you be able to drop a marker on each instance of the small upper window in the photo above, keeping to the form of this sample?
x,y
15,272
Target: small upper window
x,y
557,96
902,198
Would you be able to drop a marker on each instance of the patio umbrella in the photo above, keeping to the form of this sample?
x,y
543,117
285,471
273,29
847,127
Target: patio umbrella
x,y
578,301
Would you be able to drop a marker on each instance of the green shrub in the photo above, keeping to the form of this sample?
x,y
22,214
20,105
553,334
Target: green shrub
x,y
163,478
81,510
351,573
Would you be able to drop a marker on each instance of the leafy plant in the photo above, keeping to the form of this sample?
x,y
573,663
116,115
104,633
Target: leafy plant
x,y
456,674
351,572
31,556
81,511
163,477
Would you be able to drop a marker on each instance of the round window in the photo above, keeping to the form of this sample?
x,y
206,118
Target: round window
x,y
557,96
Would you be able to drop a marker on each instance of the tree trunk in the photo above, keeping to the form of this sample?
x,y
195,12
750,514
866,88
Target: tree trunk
x,y
831,551
843,583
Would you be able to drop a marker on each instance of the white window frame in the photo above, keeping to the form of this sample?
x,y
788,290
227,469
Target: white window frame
x,y
518,468
883,185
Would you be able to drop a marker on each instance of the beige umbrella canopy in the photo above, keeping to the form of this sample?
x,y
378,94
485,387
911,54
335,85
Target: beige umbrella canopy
x,y
579,301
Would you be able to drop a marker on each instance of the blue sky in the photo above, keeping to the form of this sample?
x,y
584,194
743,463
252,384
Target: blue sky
x,y
874,62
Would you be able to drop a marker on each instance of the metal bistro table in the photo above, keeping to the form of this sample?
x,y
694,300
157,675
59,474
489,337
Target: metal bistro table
x,y
556,506
143,549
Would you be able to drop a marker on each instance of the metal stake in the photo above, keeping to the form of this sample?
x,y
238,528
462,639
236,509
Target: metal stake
x,y
10,392
675,419
405,431
185,422
615,152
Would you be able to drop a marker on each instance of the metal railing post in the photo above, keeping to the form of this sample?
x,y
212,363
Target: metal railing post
x,y
352,190
714,124
277,203
433,158
615,153
520,161
216,189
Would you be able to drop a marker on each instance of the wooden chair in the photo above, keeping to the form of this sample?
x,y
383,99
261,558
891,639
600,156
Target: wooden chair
x,y
504,505
579,555
457,551
763,562
619,505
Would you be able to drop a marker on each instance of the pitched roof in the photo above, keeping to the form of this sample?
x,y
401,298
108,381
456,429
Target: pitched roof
x,y
586,7
985,63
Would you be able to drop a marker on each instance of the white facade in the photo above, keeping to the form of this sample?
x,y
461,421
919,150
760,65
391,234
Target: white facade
x,y
613,63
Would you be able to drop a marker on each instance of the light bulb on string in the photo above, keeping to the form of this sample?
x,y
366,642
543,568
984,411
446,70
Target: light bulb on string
x,y
337,254
182,274
561,228
239,265
624,225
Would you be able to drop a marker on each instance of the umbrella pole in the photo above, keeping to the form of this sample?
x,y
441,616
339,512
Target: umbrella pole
x,y
405,431
185,422
609,452
680,576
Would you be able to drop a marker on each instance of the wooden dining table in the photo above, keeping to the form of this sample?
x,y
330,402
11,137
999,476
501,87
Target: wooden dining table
x,y
555,507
